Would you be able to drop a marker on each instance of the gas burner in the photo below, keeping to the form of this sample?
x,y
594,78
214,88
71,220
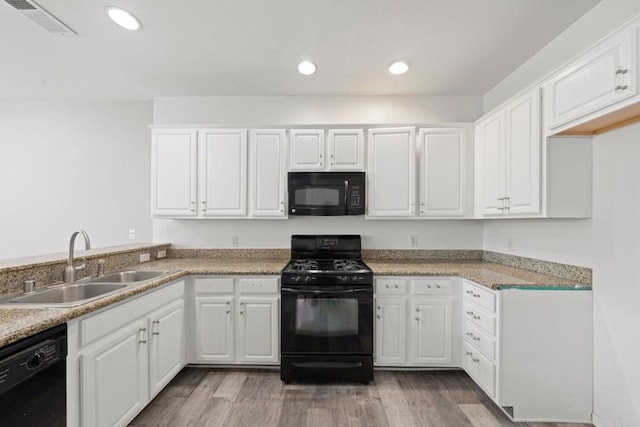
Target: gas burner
x,y
346,264
304,264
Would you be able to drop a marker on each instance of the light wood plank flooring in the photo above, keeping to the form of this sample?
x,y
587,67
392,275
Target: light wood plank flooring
x,y
257,398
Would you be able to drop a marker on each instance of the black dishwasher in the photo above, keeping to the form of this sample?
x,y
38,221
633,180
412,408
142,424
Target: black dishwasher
x,y
33,380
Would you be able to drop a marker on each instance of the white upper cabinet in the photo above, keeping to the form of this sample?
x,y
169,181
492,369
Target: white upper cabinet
x,y
268,155
307,149
342,149
222,172
391,172
602,76
508,144
174,172
346,149
523,154
442,172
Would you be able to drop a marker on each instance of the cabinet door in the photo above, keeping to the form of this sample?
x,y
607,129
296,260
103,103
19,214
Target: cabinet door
x,y
346,149
215,339
307,149
223,172
173,172
166,339
523,154
114,377
442,172
258,336
602,76
268,172
391,178
431,339
490,171
391,321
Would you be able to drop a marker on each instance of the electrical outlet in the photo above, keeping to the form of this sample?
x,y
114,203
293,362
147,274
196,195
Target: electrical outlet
x,y
145,257
234,241
132,233
162,253
510,245
413,240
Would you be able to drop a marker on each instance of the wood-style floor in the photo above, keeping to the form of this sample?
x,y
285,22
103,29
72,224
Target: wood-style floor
x,y
257,398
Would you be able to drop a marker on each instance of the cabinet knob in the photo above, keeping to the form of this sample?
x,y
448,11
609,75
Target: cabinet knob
x,y
396,286
387,286
417,310
378,307
378,316
417,319
438,286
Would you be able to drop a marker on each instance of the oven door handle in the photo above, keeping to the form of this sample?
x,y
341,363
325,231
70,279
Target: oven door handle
x,y
317,292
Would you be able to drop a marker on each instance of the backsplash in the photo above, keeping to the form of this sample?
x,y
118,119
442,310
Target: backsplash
x,y
47,270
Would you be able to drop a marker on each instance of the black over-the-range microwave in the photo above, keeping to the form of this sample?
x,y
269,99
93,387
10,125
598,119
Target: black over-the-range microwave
x,y
326,193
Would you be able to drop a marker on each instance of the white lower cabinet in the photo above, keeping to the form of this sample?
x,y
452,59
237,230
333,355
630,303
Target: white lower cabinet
x,y
121,357
415,323
531,350
236,320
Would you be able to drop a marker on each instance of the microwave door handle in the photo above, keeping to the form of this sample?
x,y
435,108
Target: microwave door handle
x,y
346,197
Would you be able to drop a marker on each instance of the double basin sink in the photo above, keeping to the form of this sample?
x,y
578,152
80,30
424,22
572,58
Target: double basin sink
x,y
86,290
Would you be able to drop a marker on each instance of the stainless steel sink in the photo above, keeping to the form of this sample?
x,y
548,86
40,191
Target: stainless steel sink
x,y
129,276
69,295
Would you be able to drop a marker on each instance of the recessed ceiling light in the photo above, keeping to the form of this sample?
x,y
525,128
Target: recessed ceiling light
x,y
307,68
398,67
123,18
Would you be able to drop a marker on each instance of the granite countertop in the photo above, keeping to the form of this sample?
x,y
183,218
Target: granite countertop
x,y
21,322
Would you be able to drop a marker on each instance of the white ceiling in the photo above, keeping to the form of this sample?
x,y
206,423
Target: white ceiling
x,y
252,47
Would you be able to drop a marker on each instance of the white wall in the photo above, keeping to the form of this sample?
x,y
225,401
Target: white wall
x,y
231,110
292,110
609,243
376,234
71,165
600,20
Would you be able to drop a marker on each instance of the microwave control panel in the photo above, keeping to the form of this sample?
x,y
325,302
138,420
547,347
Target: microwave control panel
x,y
355,197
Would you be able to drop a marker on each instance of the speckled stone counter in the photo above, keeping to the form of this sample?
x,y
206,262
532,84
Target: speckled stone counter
x,y
489,274
17,323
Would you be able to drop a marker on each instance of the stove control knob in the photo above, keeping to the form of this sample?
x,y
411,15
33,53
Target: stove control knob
x,y
307,278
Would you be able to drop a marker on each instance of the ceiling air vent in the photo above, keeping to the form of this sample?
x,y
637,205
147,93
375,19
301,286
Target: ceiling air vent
x,y
41,17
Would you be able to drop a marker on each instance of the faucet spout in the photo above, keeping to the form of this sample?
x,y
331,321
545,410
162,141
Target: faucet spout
x,y
70,270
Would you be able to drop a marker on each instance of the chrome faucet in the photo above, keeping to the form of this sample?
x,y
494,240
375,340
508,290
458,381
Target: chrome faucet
x,y
70,270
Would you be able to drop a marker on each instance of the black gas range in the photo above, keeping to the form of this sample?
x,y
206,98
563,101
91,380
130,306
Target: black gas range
x,y
326,311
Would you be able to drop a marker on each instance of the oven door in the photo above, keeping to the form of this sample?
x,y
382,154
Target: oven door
x,y
327,319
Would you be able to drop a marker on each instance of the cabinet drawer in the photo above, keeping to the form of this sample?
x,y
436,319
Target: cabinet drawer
x,y
259,285
479,318
479,340
439,286
479,368
485,298
114,318
391,286
213,285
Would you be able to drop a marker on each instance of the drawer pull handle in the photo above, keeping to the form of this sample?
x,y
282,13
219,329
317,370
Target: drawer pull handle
x,y
476,360
470,313
621,71
468,353
621,88
476,338
470,292
417,310
417,319
378,316
429,286
378,307
476,295
387,286
469,334
155,327
438,286
476,317
143,333
396,286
